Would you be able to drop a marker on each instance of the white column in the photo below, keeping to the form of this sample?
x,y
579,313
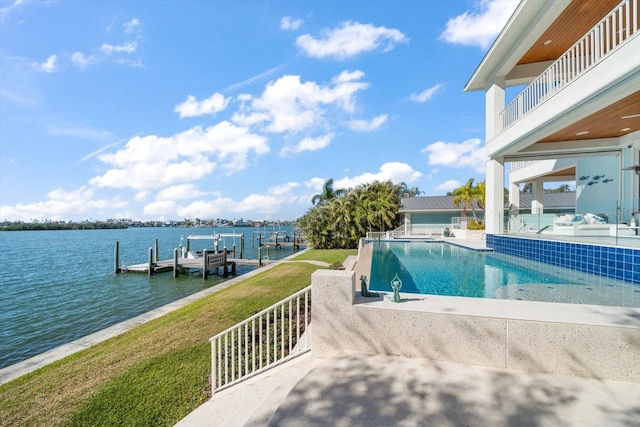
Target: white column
x,y
407,223
494,178
494,103
494,184
514,195
537,204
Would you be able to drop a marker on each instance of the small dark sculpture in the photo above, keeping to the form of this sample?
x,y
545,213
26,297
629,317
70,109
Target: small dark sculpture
x,y
363,288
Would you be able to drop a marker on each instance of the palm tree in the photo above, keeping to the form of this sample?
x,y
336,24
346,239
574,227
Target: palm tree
x,y
327,194
339,218
479,196
464,196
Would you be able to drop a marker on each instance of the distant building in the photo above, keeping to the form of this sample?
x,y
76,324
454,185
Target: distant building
x,y
242,223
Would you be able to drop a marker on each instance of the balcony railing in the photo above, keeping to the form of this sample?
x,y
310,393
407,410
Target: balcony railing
x,y
270,337
611,32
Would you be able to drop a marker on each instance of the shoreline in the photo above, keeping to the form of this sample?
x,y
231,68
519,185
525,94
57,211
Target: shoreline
x,y
31,364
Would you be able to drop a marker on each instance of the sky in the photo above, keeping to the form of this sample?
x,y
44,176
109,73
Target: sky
x,y
166,110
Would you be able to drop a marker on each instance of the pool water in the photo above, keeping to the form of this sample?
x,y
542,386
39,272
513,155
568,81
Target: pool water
x,y
438,268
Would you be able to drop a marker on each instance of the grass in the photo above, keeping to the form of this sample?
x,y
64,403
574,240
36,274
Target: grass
x,y
154,374
328,256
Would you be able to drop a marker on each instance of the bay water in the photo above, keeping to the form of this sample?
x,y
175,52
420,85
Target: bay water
x,y
58,286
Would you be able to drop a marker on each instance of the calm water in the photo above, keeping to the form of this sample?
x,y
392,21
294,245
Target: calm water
x,y
444,269
58,286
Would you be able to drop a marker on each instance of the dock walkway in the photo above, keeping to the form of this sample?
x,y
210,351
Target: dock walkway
x,y
209,261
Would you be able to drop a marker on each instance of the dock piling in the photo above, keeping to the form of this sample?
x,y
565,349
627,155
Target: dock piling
x,y
259,256
116,258
225,269
175,263
150,261
156,246
205,266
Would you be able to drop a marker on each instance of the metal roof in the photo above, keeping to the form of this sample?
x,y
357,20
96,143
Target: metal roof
x,y
445,203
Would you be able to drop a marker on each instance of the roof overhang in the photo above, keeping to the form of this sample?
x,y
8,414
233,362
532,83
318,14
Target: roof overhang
x,y
528,22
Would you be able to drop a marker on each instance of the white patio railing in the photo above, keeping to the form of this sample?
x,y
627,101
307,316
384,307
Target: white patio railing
x,y
416,230
518,165
265,339
611,32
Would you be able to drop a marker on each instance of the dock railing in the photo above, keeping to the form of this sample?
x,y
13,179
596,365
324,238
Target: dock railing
x,y
270,337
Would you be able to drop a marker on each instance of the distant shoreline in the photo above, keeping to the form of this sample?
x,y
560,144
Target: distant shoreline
x,y
108,225
63,226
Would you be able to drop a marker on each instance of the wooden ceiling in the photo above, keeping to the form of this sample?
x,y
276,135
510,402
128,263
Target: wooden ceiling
x,y
605,123
576,20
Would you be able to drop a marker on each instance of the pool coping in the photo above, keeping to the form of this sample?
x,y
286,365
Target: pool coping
x,y
540,311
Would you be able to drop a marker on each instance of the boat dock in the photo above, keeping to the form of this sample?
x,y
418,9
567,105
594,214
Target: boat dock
x,y
208,261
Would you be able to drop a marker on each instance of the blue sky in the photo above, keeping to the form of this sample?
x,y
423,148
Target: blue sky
x,y
234,109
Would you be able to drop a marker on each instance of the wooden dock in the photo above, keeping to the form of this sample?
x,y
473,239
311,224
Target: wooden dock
x,y
208,261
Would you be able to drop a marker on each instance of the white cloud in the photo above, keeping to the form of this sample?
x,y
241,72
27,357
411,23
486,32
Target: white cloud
x,y
193,108
81,60
351,39
315,183
61,203
5,11
288,105
49,66
286,23
308,144
395,171
128,47
426,94
449,185
131,25
481,26
77,131
368,126
160,208
180,192
141,196
152,161
469,153
253,204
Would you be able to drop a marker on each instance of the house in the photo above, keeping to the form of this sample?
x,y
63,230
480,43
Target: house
x,y
570,71
440,209
430,210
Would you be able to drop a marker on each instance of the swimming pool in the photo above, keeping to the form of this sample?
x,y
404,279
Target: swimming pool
x,y
438,268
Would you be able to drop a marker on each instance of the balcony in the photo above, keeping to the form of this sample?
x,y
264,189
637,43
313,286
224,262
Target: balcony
x,y
615,30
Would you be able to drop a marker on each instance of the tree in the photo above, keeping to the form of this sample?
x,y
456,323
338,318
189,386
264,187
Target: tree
x,y
471,196
339,218
465,196
327,194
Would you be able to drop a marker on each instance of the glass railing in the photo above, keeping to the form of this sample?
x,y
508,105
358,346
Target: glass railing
x,y
617,226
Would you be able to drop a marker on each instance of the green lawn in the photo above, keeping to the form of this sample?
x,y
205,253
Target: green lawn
x,y
156,373
328,256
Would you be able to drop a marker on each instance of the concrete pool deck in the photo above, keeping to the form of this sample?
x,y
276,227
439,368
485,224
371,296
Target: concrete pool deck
x,y
590,341
378,390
